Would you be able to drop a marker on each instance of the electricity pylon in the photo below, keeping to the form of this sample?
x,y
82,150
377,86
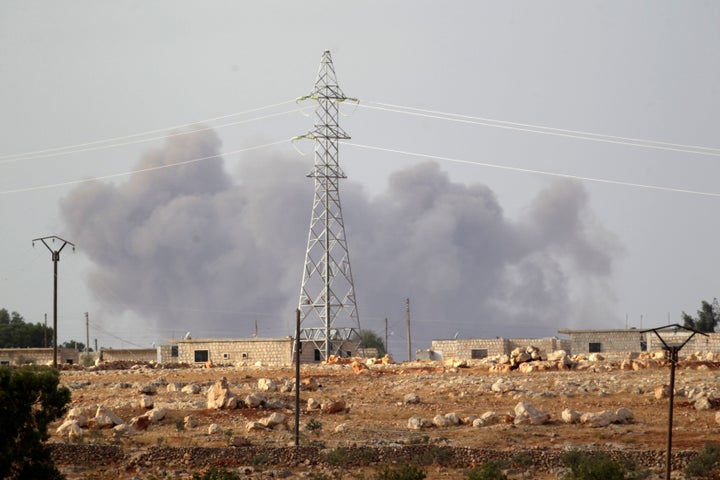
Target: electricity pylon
x,y
327,294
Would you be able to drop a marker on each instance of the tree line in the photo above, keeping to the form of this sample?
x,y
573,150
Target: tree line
x,y
15,332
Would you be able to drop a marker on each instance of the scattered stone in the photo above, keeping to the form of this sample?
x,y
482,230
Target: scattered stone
x,y
313,404
411,399
624,415
570,416
417,423
148,389
662,391
440,421
157,414
333,406
219,396
309,384
502,386
146,401
273,420
192,388
255,399
214,428
267,385
598,419
527,414
190,421
140,423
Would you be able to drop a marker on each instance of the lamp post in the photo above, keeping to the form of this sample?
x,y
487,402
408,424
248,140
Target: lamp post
x,y
672,345
55,259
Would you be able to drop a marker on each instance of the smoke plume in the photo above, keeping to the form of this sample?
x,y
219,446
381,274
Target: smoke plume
x,y
197,247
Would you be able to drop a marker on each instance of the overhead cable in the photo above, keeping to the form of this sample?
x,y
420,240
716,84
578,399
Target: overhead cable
x,y
141,170
559,132
527,170
119,141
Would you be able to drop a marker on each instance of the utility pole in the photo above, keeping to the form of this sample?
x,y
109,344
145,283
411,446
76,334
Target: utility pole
x,y
407,316
96,350
87,335
45,341
55,260
387,349
327,293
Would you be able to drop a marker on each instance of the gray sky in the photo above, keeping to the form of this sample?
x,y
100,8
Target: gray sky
x,y
481,251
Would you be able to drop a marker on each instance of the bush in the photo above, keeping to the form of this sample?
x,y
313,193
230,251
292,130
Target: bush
x,y
338,456
30,399
599,466
216,473
706,463
487,471
404,472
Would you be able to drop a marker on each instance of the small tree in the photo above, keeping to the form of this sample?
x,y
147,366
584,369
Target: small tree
x,y
370,339
29,400
707,317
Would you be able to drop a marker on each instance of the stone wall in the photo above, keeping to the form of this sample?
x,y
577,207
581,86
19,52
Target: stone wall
x,y
469,348
607,341
129,355
231,351
38,356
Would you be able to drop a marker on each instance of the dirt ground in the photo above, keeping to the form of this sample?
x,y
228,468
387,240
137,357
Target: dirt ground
x,y
377,415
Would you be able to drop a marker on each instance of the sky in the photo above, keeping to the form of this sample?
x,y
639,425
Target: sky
x,y
515,167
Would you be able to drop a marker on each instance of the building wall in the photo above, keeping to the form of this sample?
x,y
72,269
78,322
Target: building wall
x,y
608,341
129,355
464,348
39,356
268,351
699,343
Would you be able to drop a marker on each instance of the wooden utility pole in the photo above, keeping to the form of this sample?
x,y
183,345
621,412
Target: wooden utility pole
x,y
407,315
387,349
87,335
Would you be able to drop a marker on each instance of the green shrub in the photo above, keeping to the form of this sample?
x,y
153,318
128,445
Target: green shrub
x,y
30,399
404,472
314,426
487,471
706,463
338,456
599,466
216,473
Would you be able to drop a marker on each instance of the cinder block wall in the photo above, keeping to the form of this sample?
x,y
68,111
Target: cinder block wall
x,y
129,355
39,356
268,351
610,342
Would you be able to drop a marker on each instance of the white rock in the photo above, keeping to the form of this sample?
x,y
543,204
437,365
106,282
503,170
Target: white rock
x,y
214,428
453,418
570,416
313,404
192,388
157,414
190,421
146,401
108,414
526,413
440,421
502,386
255,399
272,420
598,419
411,398
416,423
624,415
267,385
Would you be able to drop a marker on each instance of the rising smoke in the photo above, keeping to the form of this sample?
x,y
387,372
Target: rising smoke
x,y
195,247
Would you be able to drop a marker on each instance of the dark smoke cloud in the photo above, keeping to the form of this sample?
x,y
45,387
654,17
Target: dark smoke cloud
x,y
197,247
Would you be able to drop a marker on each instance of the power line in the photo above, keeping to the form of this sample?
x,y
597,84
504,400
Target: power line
x,y
527,170
142,170
559,132
80,147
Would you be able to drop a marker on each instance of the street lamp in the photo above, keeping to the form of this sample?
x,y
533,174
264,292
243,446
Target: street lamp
x,y
672,344
55,259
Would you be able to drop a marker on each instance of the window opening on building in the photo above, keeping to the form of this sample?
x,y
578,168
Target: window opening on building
x,y
174,351
202,355
317,355
478,353
594,347
226,356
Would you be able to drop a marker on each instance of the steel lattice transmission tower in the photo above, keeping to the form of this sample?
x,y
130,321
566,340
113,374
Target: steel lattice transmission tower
x,y
327,304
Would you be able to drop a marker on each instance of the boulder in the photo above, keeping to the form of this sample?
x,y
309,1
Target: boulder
x,y
417,423
273,420
238,441
190,421
255,399
411,399
70,428
502,386
148,389
214,428
440,421
192,388
333,406
140,423
157,414
596,357
220,396
267,385
109,416
598,419
527,414
80,415
453,418
570,416
313,404
662,391
624,415
146,401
